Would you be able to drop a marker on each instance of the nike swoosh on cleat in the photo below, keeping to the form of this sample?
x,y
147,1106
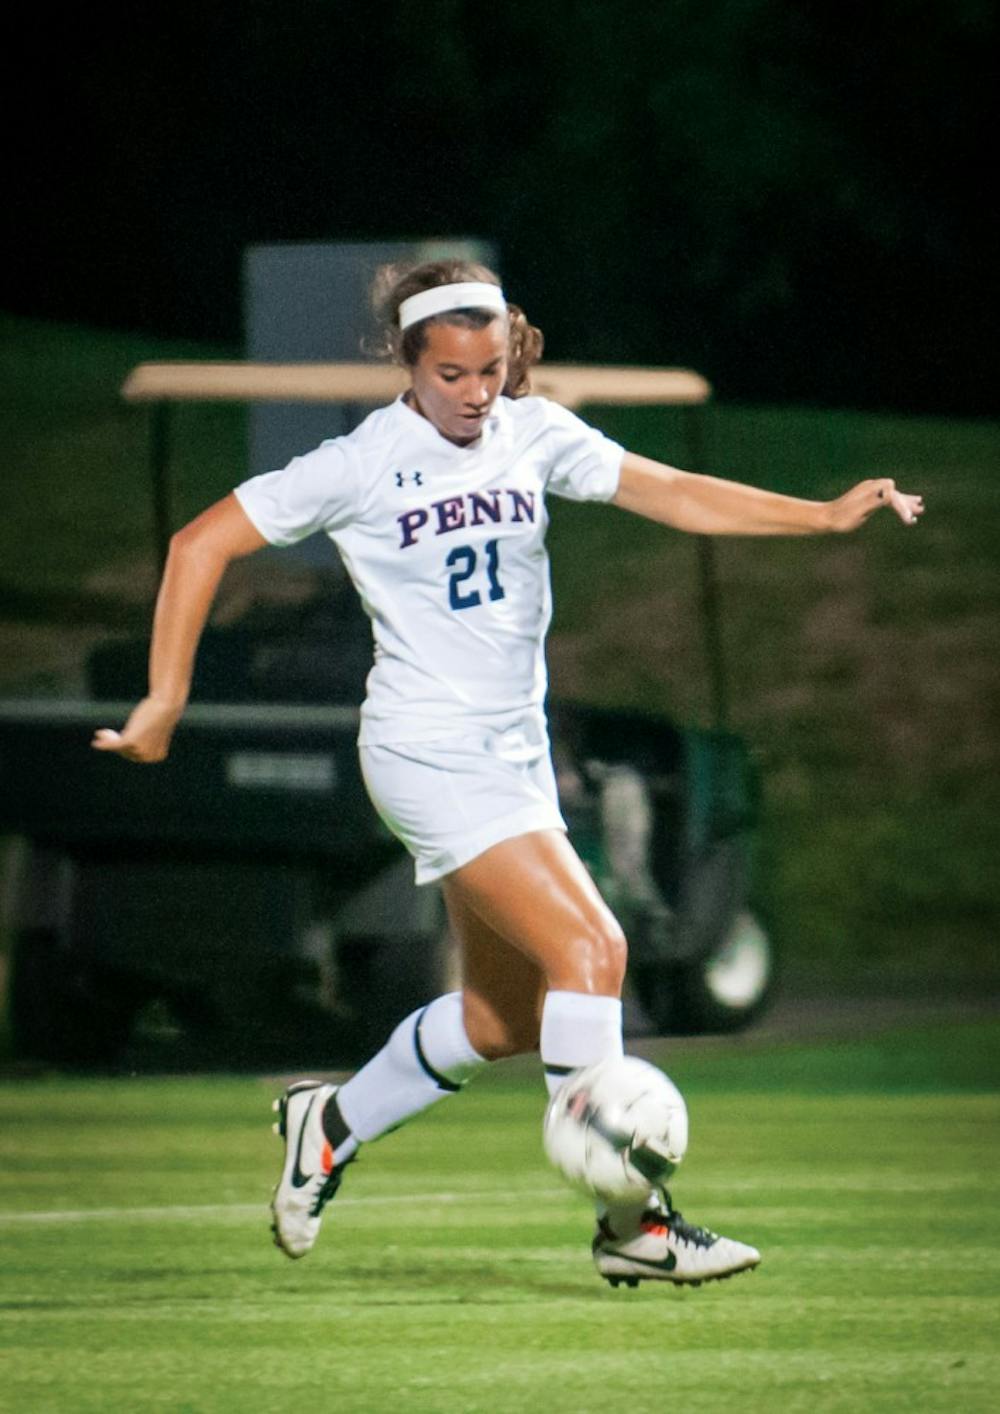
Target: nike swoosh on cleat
x,y
300,1179
667,1265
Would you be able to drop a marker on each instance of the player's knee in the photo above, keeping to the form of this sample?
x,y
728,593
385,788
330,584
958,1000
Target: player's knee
x,y
596,963
611,957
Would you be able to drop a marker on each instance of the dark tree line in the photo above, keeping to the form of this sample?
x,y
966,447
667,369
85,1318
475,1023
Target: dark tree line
x,y
793,197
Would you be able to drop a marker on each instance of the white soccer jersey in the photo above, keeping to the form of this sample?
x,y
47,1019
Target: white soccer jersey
x,y
446,546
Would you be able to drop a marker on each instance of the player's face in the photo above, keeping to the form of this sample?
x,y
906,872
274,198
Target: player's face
x,y
458,376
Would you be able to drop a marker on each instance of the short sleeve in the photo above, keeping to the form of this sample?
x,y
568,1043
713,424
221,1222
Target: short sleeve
x,y
319,491
585,465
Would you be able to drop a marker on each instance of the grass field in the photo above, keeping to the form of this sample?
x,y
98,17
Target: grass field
x,y
453,1274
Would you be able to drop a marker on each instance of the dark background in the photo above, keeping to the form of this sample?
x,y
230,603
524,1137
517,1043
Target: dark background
x,y
792,198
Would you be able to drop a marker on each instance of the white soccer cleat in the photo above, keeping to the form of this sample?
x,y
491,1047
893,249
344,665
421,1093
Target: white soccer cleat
x,y
666,1248
309,1178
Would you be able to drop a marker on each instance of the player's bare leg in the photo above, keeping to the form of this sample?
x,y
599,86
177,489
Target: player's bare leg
x,y
543,964
534,893
503,991
432,1052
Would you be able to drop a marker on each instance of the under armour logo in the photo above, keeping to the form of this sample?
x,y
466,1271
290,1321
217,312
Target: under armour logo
x,y
416,478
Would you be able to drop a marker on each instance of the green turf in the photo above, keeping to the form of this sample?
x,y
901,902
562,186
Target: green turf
x,y
453,1273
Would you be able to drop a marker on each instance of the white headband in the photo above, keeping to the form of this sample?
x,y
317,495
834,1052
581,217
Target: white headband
x,y
470,295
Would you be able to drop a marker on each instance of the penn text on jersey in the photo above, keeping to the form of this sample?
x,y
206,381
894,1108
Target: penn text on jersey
x,y
474,508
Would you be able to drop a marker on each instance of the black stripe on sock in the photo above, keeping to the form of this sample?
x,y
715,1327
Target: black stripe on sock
x,y
560,1069
334,1125
441,1081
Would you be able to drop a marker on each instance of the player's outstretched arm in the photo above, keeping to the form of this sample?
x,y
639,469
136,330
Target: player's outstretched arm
x,y
197,560
707,505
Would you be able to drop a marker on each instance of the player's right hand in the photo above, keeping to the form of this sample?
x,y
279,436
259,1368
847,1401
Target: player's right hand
x,y
851,510
146,735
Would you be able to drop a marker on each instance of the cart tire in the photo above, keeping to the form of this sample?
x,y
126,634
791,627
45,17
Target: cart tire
x,y
724,990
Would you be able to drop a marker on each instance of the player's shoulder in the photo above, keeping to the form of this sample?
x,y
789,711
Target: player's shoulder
x,y
375,437
537,414
381,425
532,407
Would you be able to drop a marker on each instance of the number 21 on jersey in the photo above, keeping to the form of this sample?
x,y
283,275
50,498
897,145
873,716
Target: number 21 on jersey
x,y
463,561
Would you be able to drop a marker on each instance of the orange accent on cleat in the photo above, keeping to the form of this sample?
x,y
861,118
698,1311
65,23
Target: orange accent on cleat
x,y
326,1159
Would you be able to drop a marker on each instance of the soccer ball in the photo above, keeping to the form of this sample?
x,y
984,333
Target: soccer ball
x,y
616,1129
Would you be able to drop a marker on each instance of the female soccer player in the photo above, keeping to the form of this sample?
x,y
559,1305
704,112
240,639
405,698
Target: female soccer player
x,y
437,506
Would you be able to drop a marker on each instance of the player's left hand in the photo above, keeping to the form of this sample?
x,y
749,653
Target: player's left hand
x,y
146,735
851,510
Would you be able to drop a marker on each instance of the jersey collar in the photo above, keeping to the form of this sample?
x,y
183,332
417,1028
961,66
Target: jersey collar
x,y
430,433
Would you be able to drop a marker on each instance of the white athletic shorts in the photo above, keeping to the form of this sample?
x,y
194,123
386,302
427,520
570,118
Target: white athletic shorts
x,y
449,801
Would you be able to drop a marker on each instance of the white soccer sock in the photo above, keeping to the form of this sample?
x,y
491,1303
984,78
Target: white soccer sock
x,y
427,1057
578,1029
